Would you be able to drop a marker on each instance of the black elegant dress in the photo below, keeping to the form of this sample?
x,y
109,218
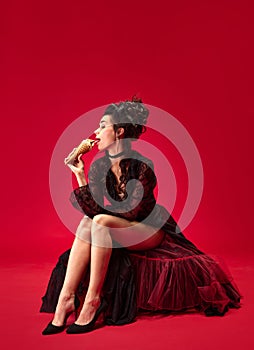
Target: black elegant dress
x,y
175,276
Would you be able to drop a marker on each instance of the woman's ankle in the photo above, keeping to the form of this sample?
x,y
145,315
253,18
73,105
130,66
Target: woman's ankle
x,y
64,307
66,296
92,298
91,304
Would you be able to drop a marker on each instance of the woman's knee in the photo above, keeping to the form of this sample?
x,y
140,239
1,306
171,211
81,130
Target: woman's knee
x,y
84,229
100,234
102,219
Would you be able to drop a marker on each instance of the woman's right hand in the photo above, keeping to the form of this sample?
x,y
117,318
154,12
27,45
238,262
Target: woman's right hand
x,y
77,167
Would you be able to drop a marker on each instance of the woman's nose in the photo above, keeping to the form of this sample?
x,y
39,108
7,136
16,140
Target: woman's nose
x,y
97,131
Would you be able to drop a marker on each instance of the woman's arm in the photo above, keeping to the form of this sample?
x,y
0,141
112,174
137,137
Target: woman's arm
x,y
87,198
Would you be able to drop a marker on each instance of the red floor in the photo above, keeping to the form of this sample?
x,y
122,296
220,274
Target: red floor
x,y
21,323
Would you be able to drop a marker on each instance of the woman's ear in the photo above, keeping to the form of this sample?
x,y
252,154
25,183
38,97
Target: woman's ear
x,y
120,131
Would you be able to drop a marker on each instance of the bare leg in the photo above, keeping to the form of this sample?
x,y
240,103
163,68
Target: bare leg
x,y
131,234
104,228
78,261
98,252
100,255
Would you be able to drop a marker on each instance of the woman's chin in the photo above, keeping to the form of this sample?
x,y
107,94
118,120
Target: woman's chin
x,y
106,147
101,148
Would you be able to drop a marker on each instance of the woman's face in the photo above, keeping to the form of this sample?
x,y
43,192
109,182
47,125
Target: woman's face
x,y
105,133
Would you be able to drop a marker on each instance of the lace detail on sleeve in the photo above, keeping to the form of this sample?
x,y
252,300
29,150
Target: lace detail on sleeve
x,y
89,198
138,184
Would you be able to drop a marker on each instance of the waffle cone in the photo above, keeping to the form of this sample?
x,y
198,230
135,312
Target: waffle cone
x,y
84,147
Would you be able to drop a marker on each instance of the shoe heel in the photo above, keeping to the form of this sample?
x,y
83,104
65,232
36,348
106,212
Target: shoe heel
x,y
76,302
77,329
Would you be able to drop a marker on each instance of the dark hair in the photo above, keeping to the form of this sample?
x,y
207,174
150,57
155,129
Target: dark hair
x,y
130,115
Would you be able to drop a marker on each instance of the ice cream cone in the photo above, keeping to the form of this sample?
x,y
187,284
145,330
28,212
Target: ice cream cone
x,y
84,147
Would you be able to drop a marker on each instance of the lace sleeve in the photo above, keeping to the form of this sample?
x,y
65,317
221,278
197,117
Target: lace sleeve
x,y
89,198
135,206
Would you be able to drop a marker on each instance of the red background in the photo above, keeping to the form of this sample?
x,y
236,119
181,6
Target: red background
x,y
60,59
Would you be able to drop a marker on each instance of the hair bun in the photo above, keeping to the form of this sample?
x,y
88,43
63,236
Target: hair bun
x,y
136,99
132,115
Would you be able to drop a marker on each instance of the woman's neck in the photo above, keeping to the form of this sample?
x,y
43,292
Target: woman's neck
x,y
116,155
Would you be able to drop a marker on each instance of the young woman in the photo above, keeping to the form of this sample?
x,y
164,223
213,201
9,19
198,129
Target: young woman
x,y
128,255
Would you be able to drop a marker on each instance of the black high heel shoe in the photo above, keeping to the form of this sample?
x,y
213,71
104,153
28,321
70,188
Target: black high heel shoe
x,y
52,329
77,329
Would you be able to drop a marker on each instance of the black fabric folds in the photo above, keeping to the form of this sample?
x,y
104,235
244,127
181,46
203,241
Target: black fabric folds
x,y
119,288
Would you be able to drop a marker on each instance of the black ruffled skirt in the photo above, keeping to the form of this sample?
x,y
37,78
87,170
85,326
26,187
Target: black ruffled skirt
x,y
176,276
